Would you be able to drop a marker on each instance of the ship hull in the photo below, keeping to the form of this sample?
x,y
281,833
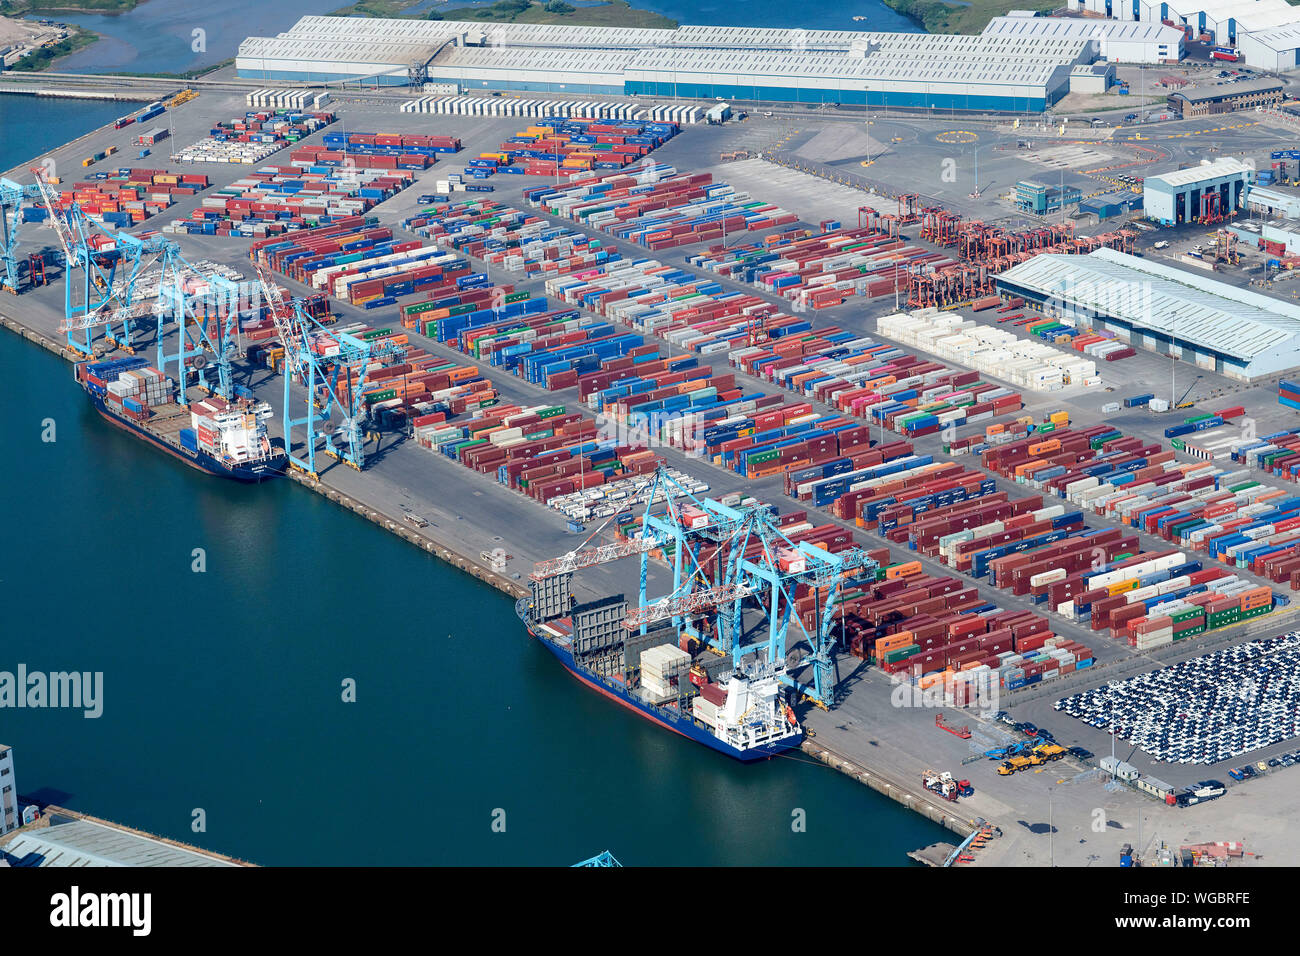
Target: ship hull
x,y
251,473
683,725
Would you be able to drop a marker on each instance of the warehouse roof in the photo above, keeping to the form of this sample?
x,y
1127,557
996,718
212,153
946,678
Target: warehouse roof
x,y
529,34
769,38
1286,37
1121,197
87,843
611,62
1223,166
1208,94
1199,310
353,50
1248,14
916,56
1091,28
935,65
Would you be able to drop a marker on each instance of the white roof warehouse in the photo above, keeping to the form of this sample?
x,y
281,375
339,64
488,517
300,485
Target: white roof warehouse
x,y
1216,326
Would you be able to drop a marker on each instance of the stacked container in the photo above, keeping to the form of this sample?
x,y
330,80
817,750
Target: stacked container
x,y
993,351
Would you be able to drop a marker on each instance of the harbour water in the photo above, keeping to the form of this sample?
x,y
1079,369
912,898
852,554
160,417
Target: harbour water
x,y
223,688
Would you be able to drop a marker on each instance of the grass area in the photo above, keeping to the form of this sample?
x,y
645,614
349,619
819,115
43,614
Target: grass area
x,y
379,9
939,17
16,8
187,75
615,13
38,60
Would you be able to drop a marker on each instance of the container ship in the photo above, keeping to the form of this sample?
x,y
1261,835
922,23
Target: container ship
x,y
228,439
744,717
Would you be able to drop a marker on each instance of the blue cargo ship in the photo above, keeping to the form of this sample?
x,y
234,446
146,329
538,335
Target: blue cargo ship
x,y
166,425
752,723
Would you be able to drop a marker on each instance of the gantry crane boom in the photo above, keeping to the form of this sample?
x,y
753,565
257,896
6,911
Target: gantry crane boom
x,y
57,222
686,604
590,557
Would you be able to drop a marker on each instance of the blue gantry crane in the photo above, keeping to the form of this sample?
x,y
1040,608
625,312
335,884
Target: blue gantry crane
x,y
741,605
101,277
759,570
603,859
205,309
13,197
335,413
118,280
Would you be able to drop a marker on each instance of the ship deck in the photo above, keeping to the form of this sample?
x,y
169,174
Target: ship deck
x,y
167,421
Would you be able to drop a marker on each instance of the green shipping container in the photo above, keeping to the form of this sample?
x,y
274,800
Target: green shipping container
x,y
419,307
901,654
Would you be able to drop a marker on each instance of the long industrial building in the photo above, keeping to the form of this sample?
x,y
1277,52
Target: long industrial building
x,y
1113,40
991,72
1233,331
1266,32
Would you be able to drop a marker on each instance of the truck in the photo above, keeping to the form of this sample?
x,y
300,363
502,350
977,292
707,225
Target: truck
x,y
1225,53
1161,244
1016,764
1050,751
945,786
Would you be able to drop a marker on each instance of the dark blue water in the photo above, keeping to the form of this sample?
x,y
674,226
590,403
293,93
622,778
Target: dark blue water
x,y
158,35
222,689
32,125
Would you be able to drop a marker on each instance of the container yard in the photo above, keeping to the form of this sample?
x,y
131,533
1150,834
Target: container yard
x,y
647,359
125,197
252,138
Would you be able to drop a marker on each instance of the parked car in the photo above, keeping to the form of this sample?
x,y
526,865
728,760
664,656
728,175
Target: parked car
x,y
1236,775
1081,753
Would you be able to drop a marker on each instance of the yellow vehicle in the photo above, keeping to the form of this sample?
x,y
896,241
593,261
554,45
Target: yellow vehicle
x,y
1050,751
184,96
1016,764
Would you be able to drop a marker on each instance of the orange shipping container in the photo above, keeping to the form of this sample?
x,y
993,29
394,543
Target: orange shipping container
x,y
903,570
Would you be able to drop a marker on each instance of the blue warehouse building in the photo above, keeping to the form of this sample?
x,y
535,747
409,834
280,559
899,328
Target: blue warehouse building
x,y
987,73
